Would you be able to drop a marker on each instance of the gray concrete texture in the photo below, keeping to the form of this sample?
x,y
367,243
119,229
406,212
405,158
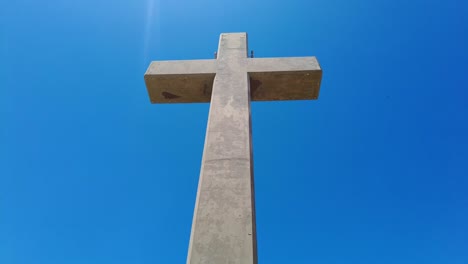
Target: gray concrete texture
x,y
191,81
223,227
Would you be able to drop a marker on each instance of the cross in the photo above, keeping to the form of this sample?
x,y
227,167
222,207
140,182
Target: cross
x,y
223,227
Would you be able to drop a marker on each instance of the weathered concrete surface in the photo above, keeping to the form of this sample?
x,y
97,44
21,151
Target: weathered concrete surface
x,y
191,81
223,228
284,78
188,81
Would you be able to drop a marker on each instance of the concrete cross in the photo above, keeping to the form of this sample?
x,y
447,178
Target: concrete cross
x,y
223,228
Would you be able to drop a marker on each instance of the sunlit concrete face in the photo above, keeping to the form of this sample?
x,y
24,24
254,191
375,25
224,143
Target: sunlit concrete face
x,y
223,228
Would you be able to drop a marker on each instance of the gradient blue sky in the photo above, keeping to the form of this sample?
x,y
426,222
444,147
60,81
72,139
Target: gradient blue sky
x,y
375,171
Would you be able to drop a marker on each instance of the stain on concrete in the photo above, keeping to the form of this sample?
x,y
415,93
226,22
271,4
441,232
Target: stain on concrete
x,y
169,95
254,85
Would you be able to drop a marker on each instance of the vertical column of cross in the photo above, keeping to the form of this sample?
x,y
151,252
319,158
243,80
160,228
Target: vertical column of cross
x,y
223,229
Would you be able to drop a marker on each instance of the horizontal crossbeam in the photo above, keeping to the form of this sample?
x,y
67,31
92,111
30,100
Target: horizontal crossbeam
x,y
271,79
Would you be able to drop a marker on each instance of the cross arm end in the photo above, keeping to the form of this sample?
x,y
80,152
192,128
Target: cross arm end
x,y
293,78
187,81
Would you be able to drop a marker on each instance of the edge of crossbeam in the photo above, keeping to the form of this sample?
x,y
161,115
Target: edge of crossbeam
x,y
289,78
166,84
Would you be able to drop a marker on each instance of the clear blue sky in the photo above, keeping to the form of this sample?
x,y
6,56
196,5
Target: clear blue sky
x,y
375,171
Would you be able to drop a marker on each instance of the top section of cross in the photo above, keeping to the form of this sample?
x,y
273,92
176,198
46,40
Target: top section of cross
x,y
191,81
232,45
